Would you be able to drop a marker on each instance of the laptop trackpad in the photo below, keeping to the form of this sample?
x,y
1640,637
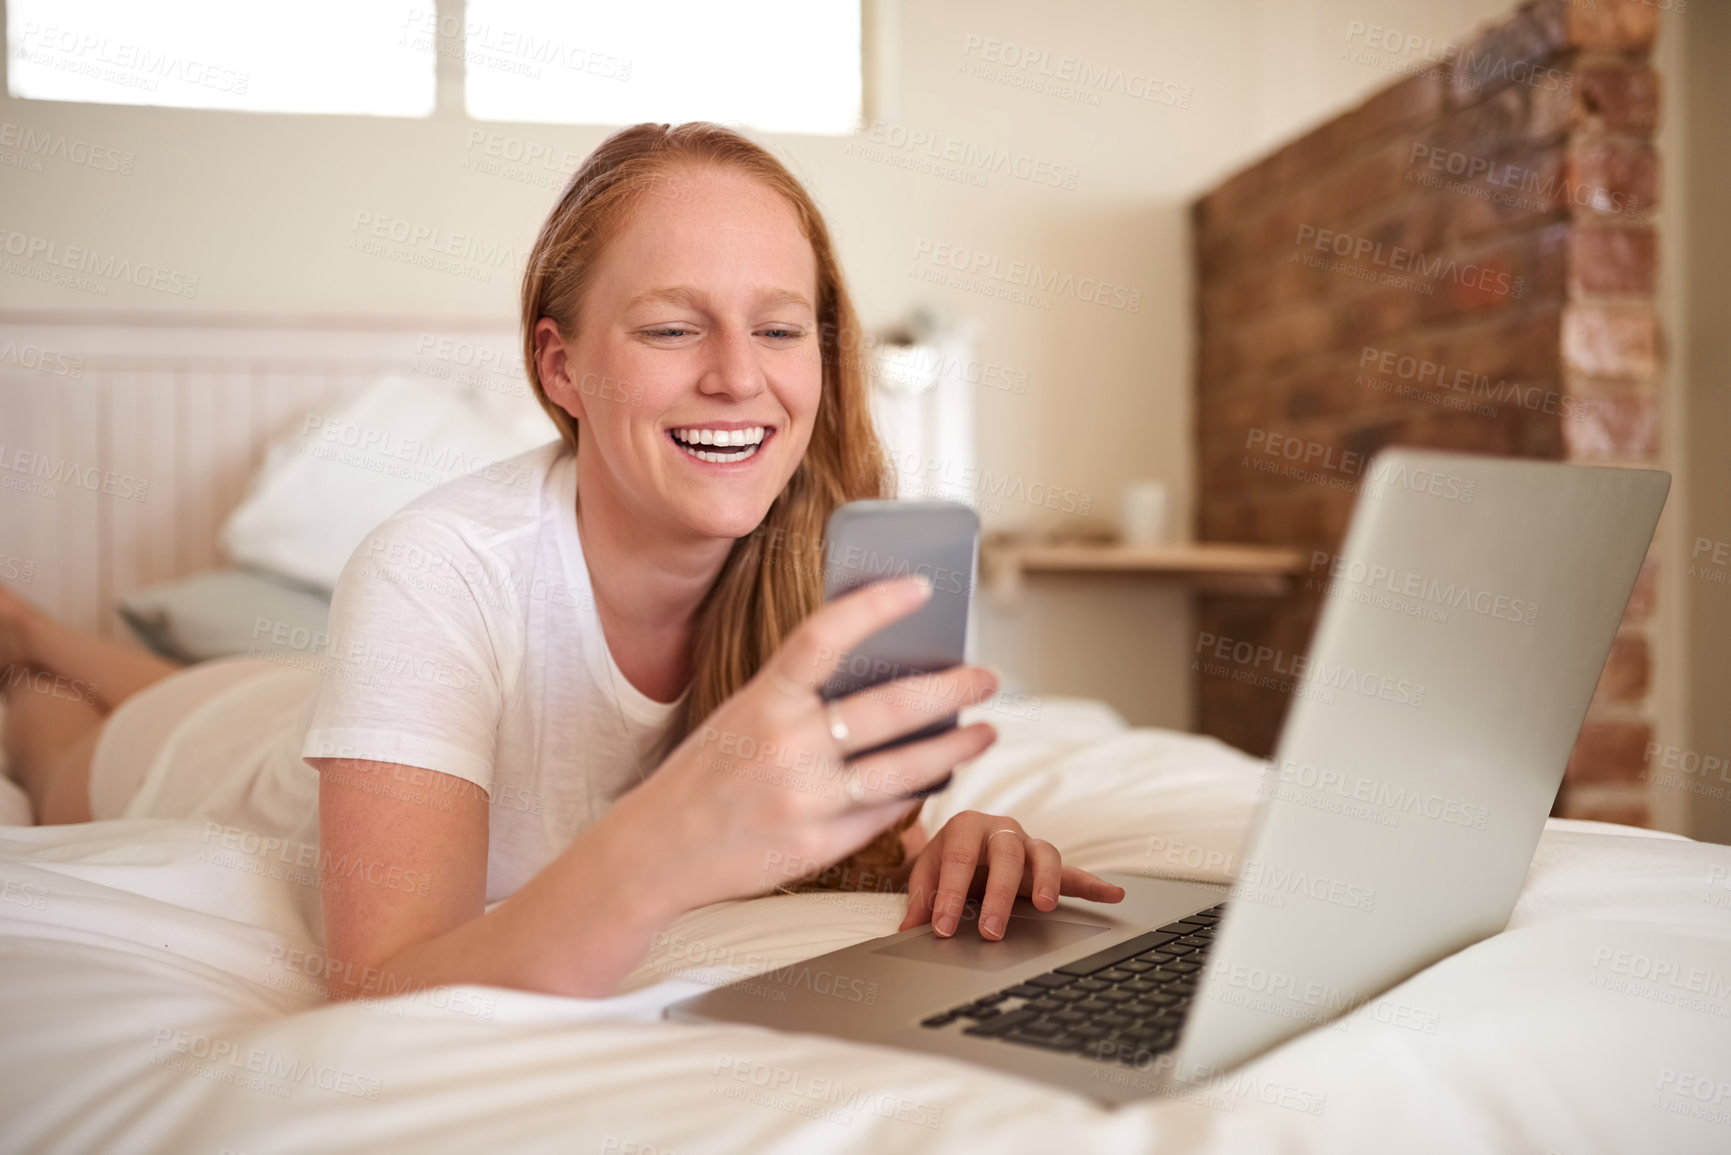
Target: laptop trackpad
x,y
1025,938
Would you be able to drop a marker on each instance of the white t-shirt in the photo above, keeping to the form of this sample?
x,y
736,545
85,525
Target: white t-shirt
x,y
464,639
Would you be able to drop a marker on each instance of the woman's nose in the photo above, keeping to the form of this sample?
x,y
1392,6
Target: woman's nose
x,y
733,368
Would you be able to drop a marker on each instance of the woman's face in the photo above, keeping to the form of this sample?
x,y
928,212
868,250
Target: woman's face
x,y
695,374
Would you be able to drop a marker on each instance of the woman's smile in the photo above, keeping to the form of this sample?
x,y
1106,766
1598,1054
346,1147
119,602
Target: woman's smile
x,y
723,445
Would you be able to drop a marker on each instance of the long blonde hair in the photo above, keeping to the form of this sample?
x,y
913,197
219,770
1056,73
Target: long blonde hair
x,y
772,578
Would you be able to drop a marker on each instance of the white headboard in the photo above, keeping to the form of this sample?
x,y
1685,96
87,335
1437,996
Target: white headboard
x,y
126,438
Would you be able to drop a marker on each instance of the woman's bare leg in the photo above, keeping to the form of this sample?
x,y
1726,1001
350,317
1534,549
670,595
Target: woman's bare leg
x,y
58,685
101,672
49,741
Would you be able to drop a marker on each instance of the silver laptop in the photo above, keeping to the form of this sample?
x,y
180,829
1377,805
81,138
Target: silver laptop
x,y
1465,622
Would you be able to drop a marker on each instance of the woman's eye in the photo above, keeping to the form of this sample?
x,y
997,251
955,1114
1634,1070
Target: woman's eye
x,y
774,332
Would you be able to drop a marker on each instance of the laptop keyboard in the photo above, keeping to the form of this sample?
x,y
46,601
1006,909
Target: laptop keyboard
x,y
1123,1004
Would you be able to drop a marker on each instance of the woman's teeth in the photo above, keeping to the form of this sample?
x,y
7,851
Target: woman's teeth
x,y
728,444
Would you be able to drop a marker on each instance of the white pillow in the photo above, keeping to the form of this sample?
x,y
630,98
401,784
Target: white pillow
x,y
343,470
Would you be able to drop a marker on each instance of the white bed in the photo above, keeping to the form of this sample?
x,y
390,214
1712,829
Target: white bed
x,y
156,994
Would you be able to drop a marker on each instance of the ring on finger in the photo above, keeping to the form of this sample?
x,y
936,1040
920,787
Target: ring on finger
x,y
853,785
1001,830
837,724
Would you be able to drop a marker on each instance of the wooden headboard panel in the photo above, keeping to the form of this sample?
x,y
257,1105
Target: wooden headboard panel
x,y
126,438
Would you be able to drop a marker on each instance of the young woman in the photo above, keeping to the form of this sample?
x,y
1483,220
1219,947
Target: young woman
x,y
512,654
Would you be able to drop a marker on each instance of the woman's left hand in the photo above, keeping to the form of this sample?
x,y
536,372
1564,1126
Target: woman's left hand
x,y
975,849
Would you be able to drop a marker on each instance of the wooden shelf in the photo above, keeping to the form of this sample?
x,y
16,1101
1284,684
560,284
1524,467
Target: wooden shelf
x,y
1213,567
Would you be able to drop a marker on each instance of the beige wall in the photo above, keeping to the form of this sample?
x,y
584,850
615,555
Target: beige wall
x,y
261,209
1695,286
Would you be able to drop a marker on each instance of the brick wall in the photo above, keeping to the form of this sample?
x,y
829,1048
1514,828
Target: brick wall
x,y
1464,261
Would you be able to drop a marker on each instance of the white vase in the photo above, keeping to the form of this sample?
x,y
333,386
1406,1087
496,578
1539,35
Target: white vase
x,y
1144,513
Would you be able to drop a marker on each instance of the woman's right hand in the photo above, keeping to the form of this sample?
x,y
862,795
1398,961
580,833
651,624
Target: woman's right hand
x,y
758,793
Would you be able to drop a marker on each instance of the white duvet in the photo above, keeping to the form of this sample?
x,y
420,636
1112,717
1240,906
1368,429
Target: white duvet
x,y
159,991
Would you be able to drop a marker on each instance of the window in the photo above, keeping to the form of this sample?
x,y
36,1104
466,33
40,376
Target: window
x,y
773,65
319,56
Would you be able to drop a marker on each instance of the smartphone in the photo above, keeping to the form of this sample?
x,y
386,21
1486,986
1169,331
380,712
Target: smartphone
x,y
868,541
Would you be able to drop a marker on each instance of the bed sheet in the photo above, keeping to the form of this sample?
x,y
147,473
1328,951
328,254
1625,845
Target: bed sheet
x,y
160,990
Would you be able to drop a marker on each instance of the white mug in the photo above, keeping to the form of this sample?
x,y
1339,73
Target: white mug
x,y
1144,514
